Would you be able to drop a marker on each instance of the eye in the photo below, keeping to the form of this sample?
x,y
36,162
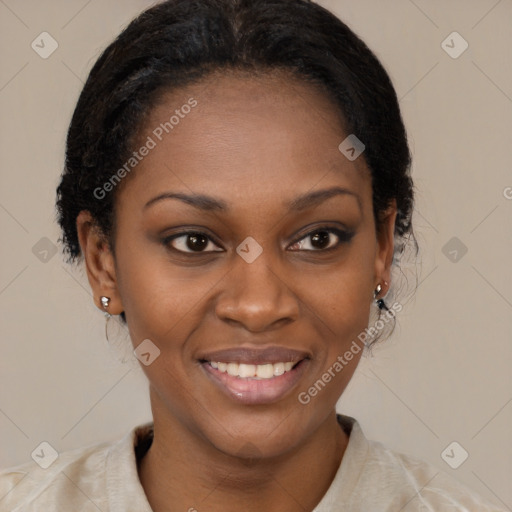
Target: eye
x,y
322,239
192,242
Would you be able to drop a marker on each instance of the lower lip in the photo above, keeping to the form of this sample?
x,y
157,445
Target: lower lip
x,y
253,391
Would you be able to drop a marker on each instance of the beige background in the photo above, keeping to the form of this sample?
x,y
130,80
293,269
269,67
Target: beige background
x,y
443,376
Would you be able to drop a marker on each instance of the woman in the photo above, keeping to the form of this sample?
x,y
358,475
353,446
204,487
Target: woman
x,y
237,184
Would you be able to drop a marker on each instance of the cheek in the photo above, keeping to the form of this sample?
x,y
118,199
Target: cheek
x,y
160,299
342,295
347,312
343,306
342,301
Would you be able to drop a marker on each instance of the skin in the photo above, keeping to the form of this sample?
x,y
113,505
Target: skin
x,y
256,144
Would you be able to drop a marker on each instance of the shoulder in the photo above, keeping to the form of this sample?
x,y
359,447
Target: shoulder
x,y
382,479
30,487
81,479
416,484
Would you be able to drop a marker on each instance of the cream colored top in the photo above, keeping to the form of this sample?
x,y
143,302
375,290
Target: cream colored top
x,y
104,478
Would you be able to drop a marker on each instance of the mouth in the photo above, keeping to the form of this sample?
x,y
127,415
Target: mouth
x,y
251,376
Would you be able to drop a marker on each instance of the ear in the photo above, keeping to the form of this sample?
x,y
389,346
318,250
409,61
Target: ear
x,y
99,263
385,249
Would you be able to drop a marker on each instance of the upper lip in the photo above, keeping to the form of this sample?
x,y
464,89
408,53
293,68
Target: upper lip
x,y
249,355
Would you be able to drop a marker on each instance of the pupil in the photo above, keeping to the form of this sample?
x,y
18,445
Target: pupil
x,y
320,239
197,242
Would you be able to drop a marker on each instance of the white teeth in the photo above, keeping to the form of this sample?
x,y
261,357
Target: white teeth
x,y
278,369
256,371
233,369
246,370
265,371
288,367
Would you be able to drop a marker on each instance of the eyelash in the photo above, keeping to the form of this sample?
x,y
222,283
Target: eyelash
x,y
343,237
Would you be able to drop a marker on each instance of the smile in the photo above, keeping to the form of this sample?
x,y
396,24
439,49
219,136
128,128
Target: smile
x,y
253,371
255,384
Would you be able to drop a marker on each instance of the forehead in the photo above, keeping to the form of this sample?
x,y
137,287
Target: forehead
x,y
245,135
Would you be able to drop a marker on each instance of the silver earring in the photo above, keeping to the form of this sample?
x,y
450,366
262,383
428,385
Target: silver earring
x,y
380,302
105,302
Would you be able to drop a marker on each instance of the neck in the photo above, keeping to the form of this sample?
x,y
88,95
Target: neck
x,y
186,471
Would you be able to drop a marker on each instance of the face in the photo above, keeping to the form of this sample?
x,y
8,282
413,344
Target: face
x,y
245,247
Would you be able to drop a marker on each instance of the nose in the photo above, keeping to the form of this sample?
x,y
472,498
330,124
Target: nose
x,y
257,296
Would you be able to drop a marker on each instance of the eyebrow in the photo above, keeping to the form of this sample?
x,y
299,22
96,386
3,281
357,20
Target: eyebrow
x,y
314,198
199,201
208,203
